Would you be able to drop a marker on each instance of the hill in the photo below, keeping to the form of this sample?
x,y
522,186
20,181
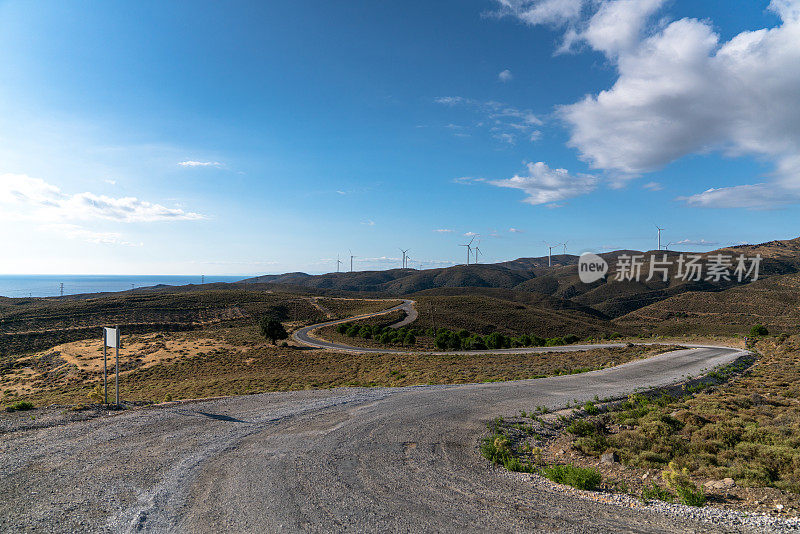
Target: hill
x,y
609,298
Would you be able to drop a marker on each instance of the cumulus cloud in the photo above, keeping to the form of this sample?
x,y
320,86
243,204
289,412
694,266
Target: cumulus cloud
x,y
544,185
549,12
505,76
191,163
681,90
25,198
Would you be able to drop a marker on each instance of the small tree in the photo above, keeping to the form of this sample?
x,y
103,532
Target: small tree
x,y
758,330
410,339
272,329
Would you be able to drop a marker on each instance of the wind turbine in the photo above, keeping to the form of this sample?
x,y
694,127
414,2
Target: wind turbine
x,y
659,236
405,257
469,248
477,250
565,247
338,263
666,247
351,259
550,252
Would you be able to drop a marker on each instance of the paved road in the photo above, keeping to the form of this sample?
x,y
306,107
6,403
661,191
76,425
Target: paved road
x,y
356,460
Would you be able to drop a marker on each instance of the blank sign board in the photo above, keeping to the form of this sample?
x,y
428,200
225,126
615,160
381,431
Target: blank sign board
x,y
112,337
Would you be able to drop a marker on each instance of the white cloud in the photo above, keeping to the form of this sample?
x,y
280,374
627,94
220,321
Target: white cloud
x,y
653,186
73,231
515,230
471,234
617,25
549,12
191,163
26,198
696,242
444,230
543,185
757,196
505,76
368,223
505,123
110,182
680,90
613,26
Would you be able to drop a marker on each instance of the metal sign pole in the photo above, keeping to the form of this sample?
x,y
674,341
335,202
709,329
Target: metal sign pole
x,y
105,368
117,352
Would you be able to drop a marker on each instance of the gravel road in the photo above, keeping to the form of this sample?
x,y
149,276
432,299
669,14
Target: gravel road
x,y
360,460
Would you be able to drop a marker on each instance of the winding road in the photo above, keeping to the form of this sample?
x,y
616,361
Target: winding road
x,y
340,460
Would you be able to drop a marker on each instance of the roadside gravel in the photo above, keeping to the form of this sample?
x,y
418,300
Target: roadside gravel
x,y
381,459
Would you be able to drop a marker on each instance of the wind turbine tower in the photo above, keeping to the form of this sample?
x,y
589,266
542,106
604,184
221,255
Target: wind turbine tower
x,y
565,247
338,263
477,250
405,257
659,236
550,253
469,248
351,260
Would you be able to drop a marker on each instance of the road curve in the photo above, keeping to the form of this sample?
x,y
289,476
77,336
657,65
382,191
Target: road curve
x,y
341,460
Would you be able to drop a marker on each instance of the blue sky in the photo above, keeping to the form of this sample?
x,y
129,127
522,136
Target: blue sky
x,y
251,137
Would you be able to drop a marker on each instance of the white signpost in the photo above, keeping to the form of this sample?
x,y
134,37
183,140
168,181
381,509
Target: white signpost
x,y
111,338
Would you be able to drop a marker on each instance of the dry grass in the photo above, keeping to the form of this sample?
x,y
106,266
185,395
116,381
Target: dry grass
x,y
748,429
234,361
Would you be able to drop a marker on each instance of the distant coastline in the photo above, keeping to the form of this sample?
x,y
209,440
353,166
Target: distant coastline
x,y
21,286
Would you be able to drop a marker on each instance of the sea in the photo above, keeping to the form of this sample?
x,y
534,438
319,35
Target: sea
x,y
49,285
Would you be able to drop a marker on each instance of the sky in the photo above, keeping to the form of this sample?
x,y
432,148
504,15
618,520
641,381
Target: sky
x,y
239,138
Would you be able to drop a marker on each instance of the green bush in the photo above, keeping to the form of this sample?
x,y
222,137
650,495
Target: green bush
x,y
656,492
577,477
571,338
410,339
678,481
758,330
20,406
554,342
342,328
365,332
582,427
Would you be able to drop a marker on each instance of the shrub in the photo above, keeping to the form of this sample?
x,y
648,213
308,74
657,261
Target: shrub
x,y
758,330
656,492
410,339
20,406
353,330
442,340
678,481
496,340
554,342
537,341
96,395
577,477
168,397
342,328
590,408
365,332
581,428
571,338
